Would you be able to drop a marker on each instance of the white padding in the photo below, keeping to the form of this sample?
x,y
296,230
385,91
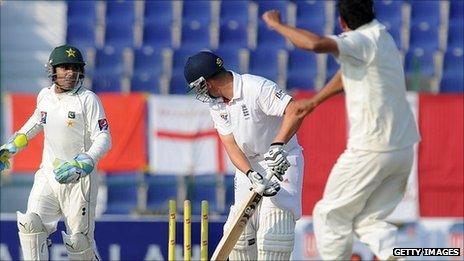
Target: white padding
x,y
79,247
33,236
276,236
245,248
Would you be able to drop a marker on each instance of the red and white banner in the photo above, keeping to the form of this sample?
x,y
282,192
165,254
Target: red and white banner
x,y
182,138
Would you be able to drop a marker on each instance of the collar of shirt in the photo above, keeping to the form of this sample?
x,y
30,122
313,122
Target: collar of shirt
x,y
237,86
373,23
55,94
61,95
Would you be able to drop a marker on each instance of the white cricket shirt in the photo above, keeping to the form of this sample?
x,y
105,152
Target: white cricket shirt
x,y
373,78
253,116
73,122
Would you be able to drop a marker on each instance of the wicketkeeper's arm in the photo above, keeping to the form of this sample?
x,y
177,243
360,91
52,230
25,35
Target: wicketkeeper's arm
x,y
32,127
19,140
98,127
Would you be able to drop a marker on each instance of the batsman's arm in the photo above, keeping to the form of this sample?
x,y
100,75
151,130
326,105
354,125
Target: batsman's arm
x,y
297,110
236,155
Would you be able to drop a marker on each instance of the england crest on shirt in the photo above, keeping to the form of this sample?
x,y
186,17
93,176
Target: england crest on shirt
x,y
224,116
245,111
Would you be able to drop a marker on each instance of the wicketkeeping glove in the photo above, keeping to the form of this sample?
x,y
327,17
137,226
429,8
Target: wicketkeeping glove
x,y
276,159
71,171
256,179
15,143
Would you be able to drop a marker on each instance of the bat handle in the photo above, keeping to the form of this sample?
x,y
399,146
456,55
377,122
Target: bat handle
x,y
268,176
260,188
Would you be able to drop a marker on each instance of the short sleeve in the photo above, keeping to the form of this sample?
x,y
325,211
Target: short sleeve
x,y
221,119
354,48
273,100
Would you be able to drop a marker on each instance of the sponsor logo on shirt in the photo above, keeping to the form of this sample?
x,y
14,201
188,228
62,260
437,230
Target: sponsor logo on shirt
x,y
71,115
43,117
280,94
103,124
245,111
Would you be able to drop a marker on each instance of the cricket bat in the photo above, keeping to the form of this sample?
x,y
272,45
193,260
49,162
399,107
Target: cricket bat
x,y
230,237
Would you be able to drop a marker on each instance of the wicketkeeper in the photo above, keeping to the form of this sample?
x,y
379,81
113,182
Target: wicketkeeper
x,y
65,186
256,122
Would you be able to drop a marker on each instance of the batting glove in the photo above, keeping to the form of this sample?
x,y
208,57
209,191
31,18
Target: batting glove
x,y
15,143
257,179
71,171
276,160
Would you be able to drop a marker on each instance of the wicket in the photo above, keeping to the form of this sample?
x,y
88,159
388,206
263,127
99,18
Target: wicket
x,y
188,231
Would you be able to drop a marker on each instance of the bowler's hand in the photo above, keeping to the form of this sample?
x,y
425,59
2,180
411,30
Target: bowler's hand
x,y
272,18
304,107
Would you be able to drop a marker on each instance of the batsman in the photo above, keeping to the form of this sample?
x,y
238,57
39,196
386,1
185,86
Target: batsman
x,y
256,122
76,136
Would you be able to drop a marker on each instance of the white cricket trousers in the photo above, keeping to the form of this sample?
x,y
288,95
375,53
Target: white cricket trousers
x,y
74,202
363,188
